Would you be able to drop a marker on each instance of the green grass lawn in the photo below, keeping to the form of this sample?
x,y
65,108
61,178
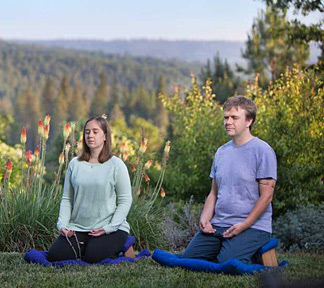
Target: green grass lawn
x,y
15,272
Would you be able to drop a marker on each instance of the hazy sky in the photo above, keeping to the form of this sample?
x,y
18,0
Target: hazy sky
x,y
128,19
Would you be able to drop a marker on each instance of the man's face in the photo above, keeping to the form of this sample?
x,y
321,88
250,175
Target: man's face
x,y
235,122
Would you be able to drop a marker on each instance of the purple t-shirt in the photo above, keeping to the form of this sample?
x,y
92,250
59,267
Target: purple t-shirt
x,y
236,170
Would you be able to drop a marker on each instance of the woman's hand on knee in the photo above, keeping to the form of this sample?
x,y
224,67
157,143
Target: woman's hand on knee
x,y
66,232
97,232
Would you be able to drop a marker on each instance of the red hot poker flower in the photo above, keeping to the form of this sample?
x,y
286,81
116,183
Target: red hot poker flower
x,y
9,166
8,170
40,128
146,178
47,120
61,158
46,131
162,193
132,167
28,157
66,131
148,164
36,152
23,136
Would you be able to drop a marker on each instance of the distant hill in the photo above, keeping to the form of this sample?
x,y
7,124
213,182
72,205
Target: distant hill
x,y
26,65
191,51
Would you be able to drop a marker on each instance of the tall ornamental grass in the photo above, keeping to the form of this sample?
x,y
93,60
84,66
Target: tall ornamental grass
x,y
147,214
29,207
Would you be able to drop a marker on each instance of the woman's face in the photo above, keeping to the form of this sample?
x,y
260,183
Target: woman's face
x,y
94,135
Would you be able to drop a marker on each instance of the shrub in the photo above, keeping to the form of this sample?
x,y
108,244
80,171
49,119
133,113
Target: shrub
x,y
301,229
291,119
198,130
181,222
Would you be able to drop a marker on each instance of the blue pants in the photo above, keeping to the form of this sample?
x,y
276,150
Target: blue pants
x,y
214,247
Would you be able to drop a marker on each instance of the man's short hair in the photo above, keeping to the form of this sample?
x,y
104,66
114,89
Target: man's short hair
x,y
244,103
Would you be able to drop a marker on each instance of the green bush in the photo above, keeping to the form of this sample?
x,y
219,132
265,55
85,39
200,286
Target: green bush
x,y
197,125
291,119
301,229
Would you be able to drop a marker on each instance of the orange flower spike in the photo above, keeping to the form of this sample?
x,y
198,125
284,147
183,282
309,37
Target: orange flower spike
x,y
148,164
143,146
66,131
8,170
146,178
123,147
61,159
36,152
125,156
46,131
47,120
9,166
28,157
133,167
23,136
162,193
138,191
167,148
40,129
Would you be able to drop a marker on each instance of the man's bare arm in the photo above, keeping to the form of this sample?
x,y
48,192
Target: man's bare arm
x,y
208,211
266,189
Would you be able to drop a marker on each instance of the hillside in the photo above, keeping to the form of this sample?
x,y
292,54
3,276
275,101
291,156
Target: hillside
x,y
190,51
23,65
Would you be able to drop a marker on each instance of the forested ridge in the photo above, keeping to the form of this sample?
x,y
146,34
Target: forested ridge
x,y
28,66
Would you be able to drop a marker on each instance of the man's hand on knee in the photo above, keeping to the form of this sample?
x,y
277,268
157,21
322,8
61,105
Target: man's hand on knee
x,y
236,229
206,226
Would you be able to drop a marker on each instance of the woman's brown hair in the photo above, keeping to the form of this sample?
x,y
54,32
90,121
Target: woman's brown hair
x,y
105,153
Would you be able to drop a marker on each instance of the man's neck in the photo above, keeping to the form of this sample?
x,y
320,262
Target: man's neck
x,y
242,139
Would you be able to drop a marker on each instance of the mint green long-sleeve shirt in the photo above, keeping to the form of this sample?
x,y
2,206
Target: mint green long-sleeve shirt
x,y
95,196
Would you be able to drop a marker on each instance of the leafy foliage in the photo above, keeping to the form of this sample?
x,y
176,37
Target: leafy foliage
x,y
291,120
198,132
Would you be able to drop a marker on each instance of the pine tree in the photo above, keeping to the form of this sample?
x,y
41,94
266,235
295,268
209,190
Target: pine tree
x,y
48,97
77,110
101,97
162,117
27,111
224,83
142,106
61,108
114,98
268,48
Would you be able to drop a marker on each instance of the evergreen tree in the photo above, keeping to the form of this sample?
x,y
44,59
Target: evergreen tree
x,y
61,108
78,107
300,32
27,111
224,83
117,114
162,118
48,97
142,106
114,98
101,97
268,49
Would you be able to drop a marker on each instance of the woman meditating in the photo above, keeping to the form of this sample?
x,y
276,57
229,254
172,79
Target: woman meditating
x,y
96,200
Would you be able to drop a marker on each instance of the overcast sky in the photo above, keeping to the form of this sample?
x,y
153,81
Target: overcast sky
x,y
129,19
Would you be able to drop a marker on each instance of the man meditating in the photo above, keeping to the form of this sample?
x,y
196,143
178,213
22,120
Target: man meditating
x,y
236,219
